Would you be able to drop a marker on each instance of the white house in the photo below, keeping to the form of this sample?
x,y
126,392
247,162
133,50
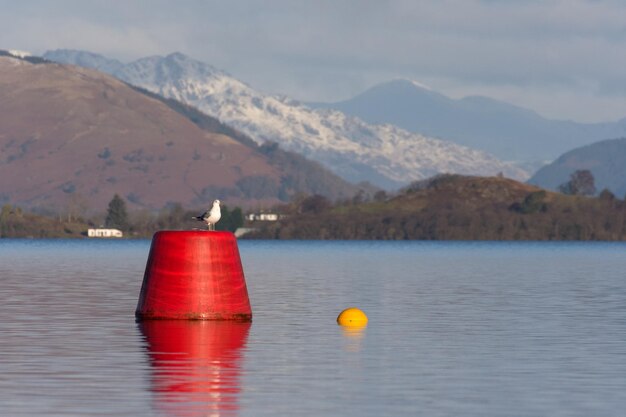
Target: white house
x,y
104,233
263,217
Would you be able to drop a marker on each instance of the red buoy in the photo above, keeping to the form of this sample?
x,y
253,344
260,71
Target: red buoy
x,y
194,275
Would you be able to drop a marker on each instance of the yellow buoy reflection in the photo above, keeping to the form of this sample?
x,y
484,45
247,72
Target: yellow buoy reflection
x,y
353,338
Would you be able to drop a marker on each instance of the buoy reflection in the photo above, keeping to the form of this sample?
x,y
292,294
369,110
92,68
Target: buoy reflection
x,y
196,365
353,338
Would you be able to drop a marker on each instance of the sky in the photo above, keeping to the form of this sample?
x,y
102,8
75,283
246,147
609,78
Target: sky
x,y
565,59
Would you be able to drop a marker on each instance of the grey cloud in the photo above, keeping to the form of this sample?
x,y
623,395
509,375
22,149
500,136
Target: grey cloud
x,y
333,49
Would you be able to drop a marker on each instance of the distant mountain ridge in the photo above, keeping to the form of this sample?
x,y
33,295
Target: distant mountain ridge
x,y
507,131
605,159
384,155
75,136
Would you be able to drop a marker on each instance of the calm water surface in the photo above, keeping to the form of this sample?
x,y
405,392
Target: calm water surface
x,y
456,329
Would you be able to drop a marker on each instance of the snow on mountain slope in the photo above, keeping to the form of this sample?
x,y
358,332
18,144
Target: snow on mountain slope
x,y
382,154
505,130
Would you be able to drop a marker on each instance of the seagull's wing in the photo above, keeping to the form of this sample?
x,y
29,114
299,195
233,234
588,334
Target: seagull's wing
x,y
202,217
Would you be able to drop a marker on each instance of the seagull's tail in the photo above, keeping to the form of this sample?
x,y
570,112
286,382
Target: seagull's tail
x,y
199,218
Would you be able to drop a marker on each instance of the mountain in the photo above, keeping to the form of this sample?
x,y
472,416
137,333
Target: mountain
x,y
385,155
605,159
75,136
94,61
509,132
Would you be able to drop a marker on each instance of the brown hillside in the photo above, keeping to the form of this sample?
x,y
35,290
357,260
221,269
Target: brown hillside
x,y
471,192
70,135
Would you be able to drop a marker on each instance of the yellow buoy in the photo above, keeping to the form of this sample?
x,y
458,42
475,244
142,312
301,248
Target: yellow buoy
x,y
352,317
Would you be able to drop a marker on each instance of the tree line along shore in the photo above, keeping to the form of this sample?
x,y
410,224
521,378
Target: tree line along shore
x,y
447,207
454,207
16,222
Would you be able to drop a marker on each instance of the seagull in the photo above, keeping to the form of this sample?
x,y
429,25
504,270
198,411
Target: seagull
x,y
211,216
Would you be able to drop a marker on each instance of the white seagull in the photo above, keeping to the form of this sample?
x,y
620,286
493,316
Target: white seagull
x,y
210,217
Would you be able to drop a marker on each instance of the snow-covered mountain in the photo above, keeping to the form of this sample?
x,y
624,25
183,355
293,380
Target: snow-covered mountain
x,y
507,131
381,154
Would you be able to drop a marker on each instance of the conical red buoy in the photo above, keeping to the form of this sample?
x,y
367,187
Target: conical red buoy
x,y
194,275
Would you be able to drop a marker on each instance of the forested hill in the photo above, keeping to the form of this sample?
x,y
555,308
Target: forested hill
x,y
457,208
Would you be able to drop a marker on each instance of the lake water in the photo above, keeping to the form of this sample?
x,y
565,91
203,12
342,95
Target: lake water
x,y
455,329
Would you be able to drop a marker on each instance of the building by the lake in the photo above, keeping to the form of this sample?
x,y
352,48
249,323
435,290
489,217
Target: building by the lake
x,y
263,217
104,233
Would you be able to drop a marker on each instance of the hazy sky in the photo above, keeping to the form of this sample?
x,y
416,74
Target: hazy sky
x,y
563,58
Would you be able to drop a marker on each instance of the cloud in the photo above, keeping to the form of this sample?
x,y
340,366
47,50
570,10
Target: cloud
x,y
329,50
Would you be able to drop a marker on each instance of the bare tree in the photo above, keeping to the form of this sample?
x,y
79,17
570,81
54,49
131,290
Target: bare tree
x,y
581,183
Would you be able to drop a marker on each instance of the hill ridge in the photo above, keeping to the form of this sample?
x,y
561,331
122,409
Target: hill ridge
x,y
605,159
508,131
71,135
384,155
